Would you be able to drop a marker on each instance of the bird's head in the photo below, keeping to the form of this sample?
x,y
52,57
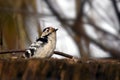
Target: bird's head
x,y
49,31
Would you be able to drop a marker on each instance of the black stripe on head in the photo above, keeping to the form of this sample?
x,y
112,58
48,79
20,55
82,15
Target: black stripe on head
x,y
44,40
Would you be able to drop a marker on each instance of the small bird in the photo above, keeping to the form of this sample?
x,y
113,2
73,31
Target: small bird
x,y
44,46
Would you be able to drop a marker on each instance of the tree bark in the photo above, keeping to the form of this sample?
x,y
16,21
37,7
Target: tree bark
x,y
59,69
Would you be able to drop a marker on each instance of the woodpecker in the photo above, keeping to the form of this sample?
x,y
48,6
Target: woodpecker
x,y
44,46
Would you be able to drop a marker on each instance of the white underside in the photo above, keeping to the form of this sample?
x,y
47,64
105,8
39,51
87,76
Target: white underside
x,y
47,50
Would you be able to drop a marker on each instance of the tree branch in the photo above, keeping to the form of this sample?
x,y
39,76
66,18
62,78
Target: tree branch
x,y
115,53
12,51
90,21
22,51
114,2
56,12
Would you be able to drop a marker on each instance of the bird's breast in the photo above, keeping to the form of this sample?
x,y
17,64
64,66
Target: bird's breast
x,y
47,50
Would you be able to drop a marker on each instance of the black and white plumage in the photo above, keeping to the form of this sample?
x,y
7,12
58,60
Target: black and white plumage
x,y
44,46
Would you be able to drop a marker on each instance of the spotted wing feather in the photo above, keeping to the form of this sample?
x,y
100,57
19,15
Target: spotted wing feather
x,y
34,47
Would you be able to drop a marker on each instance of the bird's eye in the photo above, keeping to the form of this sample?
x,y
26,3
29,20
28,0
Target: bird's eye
x,y
47,30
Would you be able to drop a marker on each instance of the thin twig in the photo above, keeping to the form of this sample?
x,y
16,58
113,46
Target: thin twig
x,y
22,51
92,23
116,10
56,12
113,52
63,54
12,51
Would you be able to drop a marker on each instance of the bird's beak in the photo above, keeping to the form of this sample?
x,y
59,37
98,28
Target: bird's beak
x,y
56,30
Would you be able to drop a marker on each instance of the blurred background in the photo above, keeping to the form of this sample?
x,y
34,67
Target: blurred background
x,y
87,28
